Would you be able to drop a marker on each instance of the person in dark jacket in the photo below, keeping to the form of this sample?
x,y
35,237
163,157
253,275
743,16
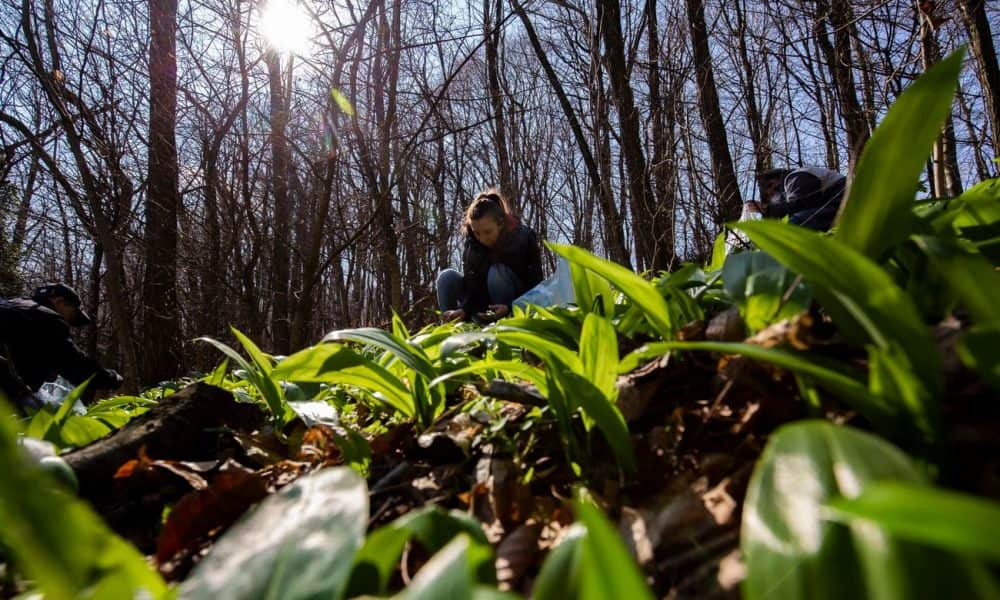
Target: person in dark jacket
x,y
501,261
36,346
809,196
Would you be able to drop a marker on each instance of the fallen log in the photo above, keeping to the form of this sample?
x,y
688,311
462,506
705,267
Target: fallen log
x,y
183,426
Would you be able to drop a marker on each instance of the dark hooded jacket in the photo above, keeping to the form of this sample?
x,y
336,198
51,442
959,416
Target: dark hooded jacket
x,y
35,347
517,248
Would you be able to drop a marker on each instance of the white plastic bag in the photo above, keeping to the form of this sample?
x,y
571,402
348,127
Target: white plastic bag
x,y
52,393
556,290
735,240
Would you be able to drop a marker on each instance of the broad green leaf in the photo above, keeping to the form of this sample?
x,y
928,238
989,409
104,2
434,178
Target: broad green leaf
x,y
451,573
606,568
599,353
948,520
398,327
975,279
557,331
259,358
891,377
877,212
257,371
718,252
432,526
543,348
559,578
759,285
410,355
460,341
859,295
593,292
510,368
218,376
793,551
603,411
338,364
78,431
641,292
58,541
297,543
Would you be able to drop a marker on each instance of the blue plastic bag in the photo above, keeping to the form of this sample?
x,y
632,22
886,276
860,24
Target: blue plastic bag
x,y
556,290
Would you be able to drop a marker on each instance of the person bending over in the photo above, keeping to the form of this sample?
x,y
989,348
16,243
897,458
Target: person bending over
x,y
36,346
501,261
809,196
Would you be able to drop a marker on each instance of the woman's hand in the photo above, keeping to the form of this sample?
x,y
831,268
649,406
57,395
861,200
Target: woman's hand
x,y
500,310
453,315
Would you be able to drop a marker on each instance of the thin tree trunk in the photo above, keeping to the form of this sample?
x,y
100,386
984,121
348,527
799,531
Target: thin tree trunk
x,y
492,23
947,179
640,192
840,61
730,203
161,325
664,204
617,248
280,164
988,68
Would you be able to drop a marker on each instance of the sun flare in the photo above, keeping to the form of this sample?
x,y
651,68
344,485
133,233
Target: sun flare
x,y
285,26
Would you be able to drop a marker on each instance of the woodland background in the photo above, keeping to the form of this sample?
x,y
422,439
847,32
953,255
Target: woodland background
x,y
184,175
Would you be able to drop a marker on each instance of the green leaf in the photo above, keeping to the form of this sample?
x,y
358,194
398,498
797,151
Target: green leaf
x,y
975,279
57,540
641,292
258,372
412,356
891,377
603,411
559,577
510,368
861,297
297,543
546,350
606,567
451,572
599,354
259,358
432,526
77,431
877,213
218,376
593,293
758,284
948,520
338,364
718,252
793,551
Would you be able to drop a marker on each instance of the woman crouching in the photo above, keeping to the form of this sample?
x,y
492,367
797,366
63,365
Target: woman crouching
x,y
500,262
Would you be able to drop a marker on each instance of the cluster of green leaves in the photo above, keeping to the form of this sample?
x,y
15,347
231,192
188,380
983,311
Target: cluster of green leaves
x,y
65,429
308,541
56,539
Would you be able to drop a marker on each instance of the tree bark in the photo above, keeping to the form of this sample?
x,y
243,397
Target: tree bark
x,y
161,325
617,249
662,158
840,61
988,68
492,23
730,203
280,164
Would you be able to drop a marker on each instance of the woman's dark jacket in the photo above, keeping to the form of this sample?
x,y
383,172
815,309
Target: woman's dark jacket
x,y
517,248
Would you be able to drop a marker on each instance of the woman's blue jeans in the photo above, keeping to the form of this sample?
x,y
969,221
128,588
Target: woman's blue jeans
x,y
502,284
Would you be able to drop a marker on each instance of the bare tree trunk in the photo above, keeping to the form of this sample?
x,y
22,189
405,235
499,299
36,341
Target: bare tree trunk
x,y
730,203
280,164
664,198
492,23
840,61
988,71
161,326
640,192
759,130
944,159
